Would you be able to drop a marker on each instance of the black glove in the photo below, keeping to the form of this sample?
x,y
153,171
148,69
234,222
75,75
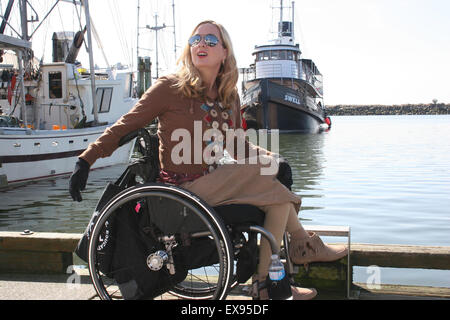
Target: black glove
x,y
285,173
78,179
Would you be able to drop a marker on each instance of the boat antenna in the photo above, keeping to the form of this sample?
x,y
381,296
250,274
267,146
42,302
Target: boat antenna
x,y
293,16
156,28
174,36
137,29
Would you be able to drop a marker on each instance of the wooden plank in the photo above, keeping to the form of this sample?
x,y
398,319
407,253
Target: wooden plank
x,y
39,241
401,256
362,291
337,231
34,262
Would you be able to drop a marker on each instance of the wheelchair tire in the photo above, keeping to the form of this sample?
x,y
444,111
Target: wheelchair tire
x,y
155,212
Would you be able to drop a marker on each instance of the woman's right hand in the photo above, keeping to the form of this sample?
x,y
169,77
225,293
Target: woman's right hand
x,y
78,179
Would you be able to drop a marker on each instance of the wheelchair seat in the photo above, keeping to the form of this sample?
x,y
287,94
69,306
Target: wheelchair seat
x,y
239,214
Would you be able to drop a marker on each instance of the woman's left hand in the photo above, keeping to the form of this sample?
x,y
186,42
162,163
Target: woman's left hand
x,y
284,173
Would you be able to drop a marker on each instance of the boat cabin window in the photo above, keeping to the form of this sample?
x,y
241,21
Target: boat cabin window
x,y
103,97
55,85
290,55
265,55
277,55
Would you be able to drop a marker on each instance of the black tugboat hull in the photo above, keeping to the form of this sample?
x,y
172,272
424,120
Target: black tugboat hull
x,y
272,106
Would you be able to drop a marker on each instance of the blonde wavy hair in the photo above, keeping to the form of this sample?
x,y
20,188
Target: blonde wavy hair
x,y
189,80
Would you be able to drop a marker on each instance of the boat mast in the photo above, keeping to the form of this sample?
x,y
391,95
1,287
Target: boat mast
x,y
91,58
23,19
280,30
21,59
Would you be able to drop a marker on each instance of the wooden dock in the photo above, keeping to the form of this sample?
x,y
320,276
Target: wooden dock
x,y
52,254
332,277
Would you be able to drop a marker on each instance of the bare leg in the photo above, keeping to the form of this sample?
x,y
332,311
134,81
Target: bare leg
x,y
293,223
278,218
275,222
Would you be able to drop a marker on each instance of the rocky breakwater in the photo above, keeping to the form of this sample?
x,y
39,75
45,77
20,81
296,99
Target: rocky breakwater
x,y
403,109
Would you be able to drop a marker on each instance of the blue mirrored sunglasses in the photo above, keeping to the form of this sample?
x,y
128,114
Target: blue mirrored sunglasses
x,y
210,40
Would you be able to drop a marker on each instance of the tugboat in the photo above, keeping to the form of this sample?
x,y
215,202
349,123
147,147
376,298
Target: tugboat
x,y
281,90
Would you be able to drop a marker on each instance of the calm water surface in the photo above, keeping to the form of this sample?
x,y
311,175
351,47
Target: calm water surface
x,y
388,177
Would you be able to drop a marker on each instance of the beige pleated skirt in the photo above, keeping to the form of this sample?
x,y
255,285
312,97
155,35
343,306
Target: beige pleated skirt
x,y
242,184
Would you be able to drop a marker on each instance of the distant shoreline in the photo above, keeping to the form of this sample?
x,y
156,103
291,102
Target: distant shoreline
x,y
404,109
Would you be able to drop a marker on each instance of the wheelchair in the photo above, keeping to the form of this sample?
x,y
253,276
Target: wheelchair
x,y
153,240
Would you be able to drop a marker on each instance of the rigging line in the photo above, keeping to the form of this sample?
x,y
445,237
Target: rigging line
x,y
302,40
99,43
163,51
125,38
81,26
1,16
62,23
119,29
115,19
78,14
125,48
45,40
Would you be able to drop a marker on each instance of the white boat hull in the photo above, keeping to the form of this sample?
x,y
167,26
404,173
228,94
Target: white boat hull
x,y
46,153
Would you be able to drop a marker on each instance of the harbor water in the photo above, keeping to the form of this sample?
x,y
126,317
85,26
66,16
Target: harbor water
x,y
387,177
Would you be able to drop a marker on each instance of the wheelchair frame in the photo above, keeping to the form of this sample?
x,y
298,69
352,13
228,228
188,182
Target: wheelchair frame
x,y
217,229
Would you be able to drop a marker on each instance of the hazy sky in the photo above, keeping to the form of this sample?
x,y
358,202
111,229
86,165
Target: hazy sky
x,y
369,51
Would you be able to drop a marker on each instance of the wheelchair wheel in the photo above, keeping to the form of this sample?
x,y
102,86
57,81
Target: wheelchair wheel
x,y
156,241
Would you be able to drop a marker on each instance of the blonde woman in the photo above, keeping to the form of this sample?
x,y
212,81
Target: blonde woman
x,y
202,96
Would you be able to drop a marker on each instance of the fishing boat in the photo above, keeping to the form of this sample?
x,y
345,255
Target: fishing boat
x,y
50,112
281,90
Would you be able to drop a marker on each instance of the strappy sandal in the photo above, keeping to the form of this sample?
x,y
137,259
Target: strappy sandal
x,y
259,291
